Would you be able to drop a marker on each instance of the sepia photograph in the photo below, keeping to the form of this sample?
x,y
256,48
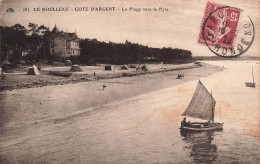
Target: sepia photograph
x,y
120,81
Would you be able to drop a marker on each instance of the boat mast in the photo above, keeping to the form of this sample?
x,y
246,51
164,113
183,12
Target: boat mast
x,y
212,108
253,74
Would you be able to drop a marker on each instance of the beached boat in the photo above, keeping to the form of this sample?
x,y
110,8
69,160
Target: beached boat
x,y
202,106
180,76
60,73
249,84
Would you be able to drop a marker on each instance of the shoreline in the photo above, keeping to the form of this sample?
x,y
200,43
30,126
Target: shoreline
x,y
12,81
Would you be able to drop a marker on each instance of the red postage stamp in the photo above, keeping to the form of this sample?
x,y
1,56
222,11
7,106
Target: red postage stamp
x,y
219,25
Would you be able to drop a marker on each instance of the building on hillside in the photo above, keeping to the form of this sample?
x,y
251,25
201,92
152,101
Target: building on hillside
x,y
64,43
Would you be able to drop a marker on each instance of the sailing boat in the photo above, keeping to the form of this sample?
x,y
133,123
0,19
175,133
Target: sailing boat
x,y
202,106
249,84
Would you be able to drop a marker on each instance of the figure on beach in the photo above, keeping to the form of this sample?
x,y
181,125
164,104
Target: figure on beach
x,y
104,87
207,123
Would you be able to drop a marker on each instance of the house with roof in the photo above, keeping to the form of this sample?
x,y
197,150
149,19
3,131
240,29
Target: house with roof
x,y
64,43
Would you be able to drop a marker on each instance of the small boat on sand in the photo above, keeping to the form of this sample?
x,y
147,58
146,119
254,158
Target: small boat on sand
x,y
60,73
202,106
180,76
251,84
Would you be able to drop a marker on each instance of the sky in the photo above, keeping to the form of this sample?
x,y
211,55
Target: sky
x,y
178,27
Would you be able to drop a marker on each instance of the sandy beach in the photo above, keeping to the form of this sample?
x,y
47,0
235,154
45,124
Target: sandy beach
x,y
17,78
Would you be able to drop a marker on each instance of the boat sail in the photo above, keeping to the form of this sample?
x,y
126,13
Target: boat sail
x,y
202,106
249,84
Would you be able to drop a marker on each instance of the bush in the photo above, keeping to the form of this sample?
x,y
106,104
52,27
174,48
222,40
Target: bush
x,y
50,62
75,60
57,57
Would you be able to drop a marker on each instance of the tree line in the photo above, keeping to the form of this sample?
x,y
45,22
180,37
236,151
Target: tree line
x,y
95,51
17,38
34,39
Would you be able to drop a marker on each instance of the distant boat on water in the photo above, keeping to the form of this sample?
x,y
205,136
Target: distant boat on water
x,y
202,106
251,84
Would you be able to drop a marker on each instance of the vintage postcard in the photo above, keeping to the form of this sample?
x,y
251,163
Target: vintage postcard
x,y
120,81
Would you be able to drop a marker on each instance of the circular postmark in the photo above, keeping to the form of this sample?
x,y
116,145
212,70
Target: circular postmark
x,y
224,36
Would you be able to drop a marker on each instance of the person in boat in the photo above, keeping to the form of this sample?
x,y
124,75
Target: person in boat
x,y
207,123
184,123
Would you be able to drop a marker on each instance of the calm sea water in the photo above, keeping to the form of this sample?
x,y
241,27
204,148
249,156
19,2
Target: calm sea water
x,y
145,129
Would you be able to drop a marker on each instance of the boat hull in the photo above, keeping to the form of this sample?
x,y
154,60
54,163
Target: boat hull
x,y
248,84
213,126
60,73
